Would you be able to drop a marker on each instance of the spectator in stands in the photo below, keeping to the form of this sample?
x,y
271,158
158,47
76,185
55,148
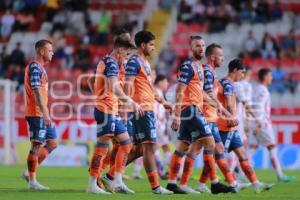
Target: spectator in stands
x,y
198,12
23,20
276,11
7,23
261,11
4,61
103,27
278,83
288,45
292,83
251,46
18,56
52,8
244,11
269,47
82,57
18,5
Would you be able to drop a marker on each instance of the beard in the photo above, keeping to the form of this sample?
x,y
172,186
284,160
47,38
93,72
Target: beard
x,y
197,56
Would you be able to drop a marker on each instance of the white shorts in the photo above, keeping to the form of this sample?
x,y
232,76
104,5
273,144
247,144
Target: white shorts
x,y
162,138
241,131
265,137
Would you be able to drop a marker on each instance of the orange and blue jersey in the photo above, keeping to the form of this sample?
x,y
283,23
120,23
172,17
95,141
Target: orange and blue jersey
x,y
226,88
143,89
210,86
190,74
106,100
35,78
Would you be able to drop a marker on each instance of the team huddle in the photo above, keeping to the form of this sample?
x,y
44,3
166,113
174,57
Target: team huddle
x,y
216,117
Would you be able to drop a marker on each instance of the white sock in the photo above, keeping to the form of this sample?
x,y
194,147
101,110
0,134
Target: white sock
x,y
172,181
214,181
32,180
275,162
118,178
201,184
93,180
167,158
251,153
138,167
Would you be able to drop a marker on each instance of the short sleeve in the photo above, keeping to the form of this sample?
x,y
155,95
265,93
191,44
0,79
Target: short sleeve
x,y
132,67
35,75
228,89
209,78
111,69
185,73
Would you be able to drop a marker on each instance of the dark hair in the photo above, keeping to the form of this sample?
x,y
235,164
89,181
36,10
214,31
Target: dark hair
x,y
159,78
119,42
262,73
41,43
247,68
235,64
210,49
120,31
195,37
143,37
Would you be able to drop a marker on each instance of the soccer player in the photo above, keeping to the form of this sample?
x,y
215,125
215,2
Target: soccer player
x,y
194,131
230,138
109,124
215,57
37,114
111,156
161,86
265,135
139,85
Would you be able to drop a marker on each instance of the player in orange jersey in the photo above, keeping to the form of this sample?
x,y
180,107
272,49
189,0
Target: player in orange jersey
x,y
109,124
215,57
139,86
229,135
37,114
194,131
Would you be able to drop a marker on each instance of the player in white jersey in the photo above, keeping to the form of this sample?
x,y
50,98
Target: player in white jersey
x,y
265,135
243,91
161,86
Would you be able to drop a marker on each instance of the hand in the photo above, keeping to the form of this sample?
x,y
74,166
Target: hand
x,y
233,122
47,120
175,124
138,109
168,107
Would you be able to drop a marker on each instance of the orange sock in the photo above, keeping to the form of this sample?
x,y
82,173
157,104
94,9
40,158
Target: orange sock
x,y
153,179
97,159
113,154
187,169
122,155
105,162
210,162
223,165
205,173
174,166
248,170
43,154
32,164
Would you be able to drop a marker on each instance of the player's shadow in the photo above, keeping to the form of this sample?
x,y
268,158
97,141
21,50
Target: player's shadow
x,y
41,191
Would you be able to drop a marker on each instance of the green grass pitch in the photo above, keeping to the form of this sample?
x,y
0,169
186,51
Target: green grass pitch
x,y
67,183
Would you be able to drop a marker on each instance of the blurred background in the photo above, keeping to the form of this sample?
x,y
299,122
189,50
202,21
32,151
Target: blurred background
x,y
264,33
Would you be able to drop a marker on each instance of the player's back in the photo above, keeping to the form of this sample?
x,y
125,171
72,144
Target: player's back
x,y
106,100
191,74
143,89
226,88
35,78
